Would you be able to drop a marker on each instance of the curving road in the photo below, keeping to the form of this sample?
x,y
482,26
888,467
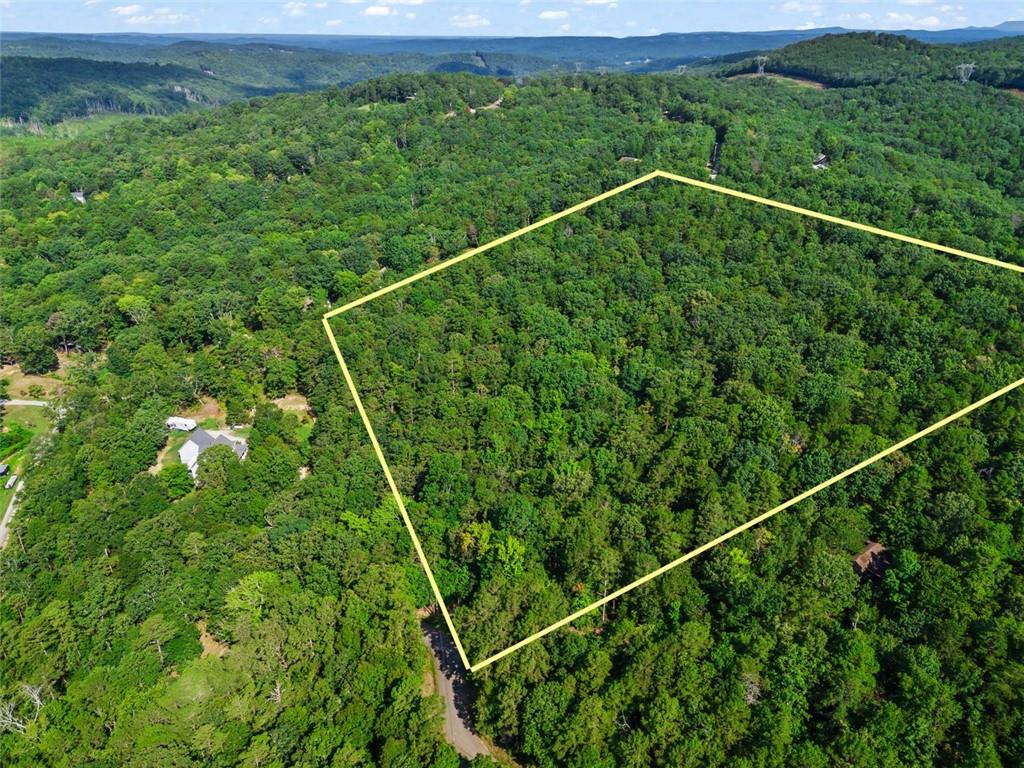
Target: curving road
x,y
455,692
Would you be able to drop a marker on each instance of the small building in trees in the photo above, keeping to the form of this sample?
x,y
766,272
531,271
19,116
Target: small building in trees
x,y
873,561
181,424
200,441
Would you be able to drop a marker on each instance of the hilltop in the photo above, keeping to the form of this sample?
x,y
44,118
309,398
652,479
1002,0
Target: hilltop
x,y
869,58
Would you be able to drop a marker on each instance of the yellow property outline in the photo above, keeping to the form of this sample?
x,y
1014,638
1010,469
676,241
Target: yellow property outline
x,y
714,542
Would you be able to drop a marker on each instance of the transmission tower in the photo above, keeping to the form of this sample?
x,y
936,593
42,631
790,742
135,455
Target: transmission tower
x,y
681,69
965,71
760,61
602,70
579,66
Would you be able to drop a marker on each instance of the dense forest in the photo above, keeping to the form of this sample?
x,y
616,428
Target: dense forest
x,y
562,414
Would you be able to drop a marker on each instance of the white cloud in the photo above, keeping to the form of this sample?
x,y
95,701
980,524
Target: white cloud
x,y
468,20
564,27
159,17
351,2
126,10
379,10
929,21
917,2
400,2
267,19
410,16
806,25
333,22
319,5
87,2
553,15
798,7
294,8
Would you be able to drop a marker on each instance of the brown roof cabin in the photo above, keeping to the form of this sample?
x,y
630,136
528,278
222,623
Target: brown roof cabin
x,y
872,562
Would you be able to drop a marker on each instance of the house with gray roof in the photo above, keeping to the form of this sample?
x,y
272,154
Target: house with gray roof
x,y
201,440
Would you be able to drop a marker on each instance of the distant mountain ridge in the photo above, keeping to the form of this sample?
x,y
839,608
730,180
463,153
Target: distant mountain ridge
x,y
561,50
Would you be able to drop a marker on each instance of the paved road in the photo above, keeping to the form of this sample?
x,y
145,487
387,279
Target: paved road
x,y
455,692
35,403
9,515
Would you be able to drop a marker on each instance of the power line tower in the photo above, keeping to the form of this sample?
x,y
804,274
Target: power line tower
x,y
579,66
965,71
760,61
602,70
681,69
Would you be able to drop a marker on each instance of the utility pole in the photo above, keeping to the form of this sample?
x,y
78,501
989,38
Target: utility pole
x,y
760,61
965,71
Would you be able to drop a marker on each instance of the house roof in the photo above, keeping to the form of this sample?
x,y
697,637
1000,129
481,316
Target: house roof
x,y
204,440
872,561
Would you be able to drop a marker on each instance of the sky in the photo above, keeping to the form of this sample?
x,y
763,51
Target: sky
x,y
498,18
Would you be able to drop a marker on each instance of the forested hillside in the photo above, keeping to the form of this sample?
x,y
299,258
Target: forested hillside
x,y
869,58
51,90
50,79
562,414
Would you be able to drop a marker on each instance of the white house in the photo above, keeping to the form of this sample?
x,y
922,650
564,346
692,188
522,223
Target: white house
x,y
181,423
200,440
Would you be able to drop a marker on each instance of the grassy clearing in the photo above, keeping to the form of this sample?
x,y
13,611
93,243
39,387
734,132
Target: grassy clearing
x,y
35,420
795,82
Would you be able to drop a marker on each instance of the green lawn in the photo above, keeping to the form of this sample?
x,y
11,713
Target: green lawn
x,y
35,420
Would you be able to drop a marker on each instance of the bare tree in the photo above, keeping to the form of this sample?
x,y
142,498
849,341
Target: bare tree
x,y
34,693
277,694
760,61
9,721
965,71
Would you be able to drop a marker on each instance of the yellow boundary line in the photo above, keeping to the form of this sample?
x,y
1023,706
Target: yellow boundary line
x,y
396,494
749,524
714,542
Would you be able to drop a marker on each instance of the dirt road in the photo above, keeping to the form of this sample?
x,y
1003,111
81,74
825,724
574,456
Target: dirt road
x,y
455,692
9,515
33,403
